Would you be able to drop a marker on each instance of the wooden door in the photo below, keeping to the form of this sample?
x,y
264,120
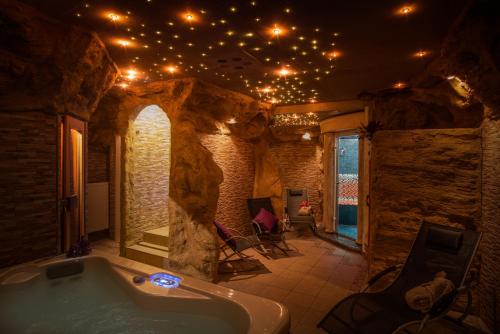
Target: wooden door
x,y
73,177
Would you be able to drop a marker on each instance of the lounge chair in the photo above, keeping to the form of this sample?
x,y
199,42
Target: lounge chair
x,y
436,248
274,235
293,200
235,243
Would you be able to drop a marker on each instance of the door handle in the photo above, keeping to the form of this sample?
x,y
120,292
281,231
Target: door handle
x,y
70,202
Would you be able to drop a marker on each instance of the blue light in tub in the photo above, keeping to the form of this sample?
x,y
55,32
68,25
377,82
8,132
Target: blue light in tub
x,y
165,280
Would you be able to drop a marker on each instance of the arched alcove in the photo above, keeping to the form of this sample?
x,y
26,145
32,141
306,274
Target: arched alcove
x,y
148,153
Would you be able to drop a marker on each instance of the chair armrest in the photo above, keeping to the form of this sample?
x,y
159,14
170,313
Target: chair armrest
x,y
233,231
381,274
257,227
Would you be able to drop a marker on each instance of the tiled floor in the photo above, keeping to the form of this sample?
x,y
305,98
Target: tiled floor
x,y
350,231
309,281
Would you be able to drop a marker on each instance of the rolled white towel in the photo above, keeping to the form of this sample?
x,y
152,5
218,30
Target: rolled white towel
x,y
422,298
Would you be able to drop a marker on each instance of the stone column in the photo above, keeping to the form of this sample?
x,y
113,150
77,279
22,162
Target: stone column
x,y
328,193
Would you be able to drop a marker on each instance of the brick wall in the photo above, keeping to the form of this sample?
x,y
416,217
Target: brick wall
x,y
417,175
97,165
236,159
28,192
148,167
300,166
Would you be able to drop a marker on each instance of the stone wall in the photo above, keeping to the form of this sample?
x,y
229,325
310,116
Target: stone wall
x,y
490,246
28,189
148,160
195,109
471,52
236,159
417,175
300,166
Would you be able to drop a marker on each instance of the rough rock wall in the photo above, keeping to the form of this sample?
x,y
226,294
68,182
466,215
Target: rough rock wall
x,y
46,68
195,109
471,52
28,225
236,159
417,175
45,64
148,158
300,166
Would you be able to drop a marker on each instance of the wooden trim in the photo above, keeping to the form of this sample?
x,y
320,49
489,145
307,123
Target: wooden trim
x,y
344,106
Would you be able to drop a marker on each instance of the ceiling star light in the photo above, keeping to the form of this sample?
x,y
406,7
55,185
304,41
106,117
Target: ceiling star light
x,y
295,120
266,90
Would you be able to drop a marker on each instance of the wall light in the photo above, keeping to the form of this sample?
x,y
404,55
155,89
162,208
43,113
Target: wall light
x,y
306,136
405,10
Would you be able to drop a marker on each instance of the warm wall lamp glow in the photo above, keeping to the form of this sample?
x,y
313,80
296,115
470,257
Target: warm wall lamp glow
x,y
399,85
284,71
114,17
406,10
125,43
421,54
131,74
277,31
232,120
171,69
189,17
306,136
334,54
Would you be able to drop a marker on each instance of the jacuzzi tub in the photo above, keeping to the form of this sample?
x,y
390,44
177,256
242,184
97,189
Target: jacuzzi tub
x,y
104,299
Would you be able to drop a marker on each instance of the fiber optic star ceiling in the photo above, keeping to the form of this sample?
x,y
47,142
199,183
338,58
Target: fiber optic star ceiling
x,y
285,52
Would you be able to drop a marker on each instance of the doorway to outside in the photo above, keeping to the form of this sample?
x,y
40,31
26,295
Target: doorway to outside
x,y
347,185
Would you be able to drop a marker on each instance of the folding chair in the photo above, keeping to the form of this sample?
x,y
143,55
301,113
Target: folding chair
x,y
276,235
293,199
235,243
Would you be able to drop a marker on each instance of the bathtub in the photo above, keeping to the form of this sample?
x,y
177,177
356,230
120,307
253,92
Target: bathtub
x,y
93,295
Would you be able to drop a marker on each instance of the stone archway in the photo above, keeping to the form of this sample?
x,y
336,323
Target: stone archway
x,y
147,159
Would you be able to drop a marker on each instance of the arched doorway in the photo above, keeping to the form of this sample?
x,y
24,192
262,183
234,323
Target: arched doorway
x,y
147,169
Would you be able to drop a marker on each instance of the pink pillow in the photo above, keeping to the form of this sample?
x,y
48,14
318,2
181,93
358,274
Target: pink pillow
x,y
266,219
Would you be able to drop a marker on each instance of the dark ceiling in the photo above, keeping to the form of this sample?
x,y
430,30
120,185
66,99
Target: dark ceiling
x,y
242,45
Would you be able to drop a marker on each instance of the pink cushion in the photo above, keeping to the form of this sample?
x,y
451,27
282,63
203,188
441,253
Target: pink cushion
x,y
266,219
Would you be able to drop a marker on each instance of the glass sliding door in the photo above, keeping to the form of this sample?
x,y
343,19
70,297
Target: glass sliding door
x,y
347,180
